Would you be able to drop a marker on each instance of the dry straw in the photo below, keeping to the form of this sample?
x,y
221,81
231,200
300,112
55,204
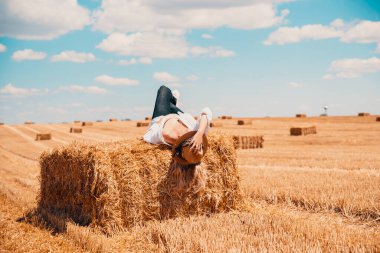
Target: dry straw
x,y
121,184
75,130
87,123
42,137
303,130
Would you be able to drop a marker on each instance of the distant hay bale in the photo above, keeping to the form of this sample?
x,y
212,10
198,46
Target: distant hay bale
x,y
244,122
76,130
303,130
28,122
77,121
113,120
225,117
148,118
363,114
377,118
1,123
248,142
99,120
42,137
142,124
87,123
120,184
300,115
195,117
216,124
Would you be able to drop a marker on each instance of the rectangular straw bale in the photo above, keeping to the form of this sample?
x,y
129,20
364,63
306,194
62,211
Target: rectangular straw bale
x,y
248,142
244,122
1,123
226,117
28,122
377,118
87,123
113,120
99,120
148,118
42,137
142,124
76,130
216,124
295,131
120,184
300,115
363,114
77,121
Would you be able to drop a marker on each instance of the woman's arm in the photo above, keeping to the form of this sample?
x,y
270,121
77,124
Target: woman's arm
x,y
196,142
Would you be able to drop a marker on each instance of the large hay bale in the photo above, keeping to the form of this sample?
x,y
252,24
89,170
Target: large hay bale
x,y
216,124
300,115
248,142
76,130
296,131
363,114
244,122
87,123
43,137
119,184
142,124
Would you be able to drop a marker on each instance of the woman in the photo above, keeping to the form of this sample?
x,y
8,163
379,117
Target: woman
x,y
169,123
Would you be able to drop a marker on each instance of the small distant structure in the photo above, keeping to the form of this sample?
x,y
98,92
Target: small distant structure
x,y
325,109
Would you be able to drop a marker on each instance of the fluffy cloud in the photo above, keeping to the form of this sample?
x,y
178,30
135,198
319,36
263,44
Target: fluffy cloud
x,y
352,68
295,85
115,81
128,62
28,54
152,15
285,35
83,89
145,60
207,36
42,19
157,45
192,78
12,90
73,56
3,48
165,77
360,32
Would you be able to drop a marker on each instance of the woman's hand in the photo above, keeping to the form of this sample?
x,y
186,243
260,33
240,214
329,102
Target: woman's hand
x,y
196,143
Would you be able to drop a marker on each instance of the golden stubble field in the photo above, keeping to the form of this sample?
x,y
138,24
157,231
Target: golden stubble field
x,y
315,193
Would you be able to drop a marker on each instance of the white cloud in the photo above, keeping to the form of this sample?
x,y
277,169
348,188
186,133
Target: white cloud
x,y
285,35
73,56
215,51
28,54
207,36
9,89
115,81
83,89
145,60
352,68
192,78
3,48
128,62
295,85
361,32
166,77
153,15
42,19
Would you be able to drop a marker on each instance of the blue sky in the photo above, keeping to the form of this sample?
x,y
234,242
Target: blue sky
x,y
93,59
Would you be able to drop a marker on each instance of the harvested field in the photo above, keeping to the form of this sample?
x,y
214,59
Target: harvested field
x,y
303,130
87,123
316,193
244,122
42,137
76,130
248,142
142,124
